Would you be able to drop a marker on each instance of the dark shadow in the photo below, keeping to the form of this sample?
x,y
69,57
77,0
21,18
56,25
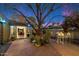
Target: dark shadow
x,y
4,48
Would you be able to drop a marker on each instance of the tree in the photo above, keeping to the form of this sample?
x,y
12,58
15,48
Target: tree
x,y
71,21
67,23
41,12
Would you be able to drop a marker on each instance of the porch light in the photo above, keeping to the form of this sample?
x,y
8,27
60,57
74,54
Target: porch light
x,y
2,20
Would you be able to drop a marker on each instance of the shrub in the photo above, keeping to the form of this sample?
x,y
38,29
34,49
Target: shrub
x,y
38,40
42,39
13,36
47,36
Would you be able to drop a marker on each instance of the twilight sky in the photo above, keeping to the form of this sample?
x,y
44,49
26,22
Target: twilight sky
x,y
65,10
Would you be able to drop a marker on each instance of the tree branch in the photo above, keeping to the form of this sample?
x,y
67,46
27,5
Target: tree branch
x,y
24,17
32,10
50,11
52,18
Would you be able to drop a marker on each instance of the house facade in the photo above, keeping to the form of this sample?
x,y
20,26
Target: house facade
x,y
57,32
11,30
19,32
19,29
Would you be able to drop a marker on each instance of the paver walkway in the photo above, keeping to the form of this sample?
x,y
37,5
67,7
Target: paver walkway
x,y
24,48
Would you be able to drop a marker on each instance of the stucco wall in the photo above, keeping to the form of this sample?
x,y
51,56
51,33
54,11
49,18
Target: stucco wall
x,y
6,32
14,29
1,32
75,34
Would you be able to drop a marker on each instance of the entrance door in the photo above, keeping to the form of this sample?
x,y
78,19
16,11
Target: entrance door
x,y
1,33
21,32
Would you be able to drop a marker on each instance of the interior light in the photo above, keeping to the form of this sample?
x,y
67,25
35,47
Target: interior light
x,y
12,26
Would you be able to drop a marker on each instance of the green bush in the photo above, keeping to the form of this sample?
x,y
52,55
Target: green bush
x,y
31,38
39,40
47,36
13,36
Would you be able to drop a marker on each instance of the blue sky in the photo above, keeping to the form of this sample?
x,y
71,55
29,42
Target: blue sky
x,y
28,12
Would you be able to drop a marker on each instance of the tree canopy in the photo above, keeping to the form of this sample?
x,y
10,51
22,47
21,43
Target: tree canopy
x,y
72,21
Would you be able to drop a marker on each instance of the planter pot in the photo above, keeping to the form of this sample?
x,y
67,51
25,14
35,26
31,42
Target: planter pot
x,y
37,45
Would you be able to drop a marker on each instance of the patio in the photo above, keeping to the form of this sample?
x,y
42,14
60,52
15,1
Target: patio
x,y
24,48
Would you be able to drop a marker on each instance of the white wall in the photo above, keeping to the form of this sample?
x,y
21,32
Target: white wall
x,y
20,27
11,29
